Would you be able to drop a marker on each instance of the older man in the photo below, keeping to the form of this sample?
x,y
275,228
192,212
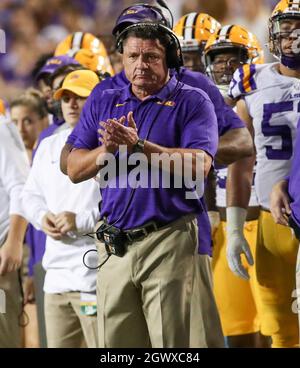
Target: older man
x,y
147,291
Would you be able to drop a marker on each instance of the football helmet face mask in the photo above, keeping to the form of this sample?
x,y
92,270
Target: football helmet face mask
x,y
193,30
284,33
231,47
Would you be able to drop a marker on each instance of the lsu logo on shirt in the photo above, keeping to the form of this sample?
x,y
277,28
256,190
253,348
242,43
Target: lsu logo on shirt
x,y
120,104
167,103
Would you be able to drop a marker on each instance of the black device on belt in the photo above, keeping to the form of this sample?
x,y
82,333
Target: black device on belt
x,y
116,240
295,227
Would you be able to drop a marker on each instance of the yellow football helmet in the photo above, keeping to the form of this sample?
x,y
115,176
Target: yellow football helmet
x,y
285,9
92,61
237,41
82,46
2,107
194,29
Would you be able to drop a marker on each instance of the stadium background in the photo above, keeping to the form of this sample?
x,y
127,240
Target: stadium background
x,y
34,27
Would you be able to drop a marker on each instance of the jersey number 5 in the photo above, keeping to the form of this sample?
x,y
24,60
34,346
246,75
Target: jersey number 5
x,y
283,131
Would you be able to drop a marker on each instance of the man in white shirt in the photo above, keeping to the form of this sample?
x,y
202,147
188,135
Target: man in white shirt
x,y
14,168
65,212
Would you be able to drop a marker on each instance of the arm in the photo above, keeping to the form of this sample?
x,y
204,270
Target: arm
x,y
233,145
80,223
240,173
116,133
235,141
14,169
239,181
210,200
32,196
83,164
12,250
151,148
280,203
64,158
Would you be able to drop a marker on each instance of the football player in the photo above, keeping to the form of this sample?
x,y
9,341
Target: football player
x,y
268,101
193,30
87,49
230,48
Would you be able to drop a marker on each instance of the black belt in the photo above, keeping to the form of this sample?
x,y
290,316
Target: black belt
x,y
265,209
140,233
116,240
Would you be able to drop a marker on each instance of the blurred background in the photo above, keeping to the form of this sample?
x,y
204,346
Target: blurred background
x,y
34,27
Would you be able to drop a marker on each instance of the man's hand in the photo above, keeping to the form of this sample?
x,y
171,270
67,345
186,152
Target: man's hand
x,y
29,291
10,256
114,133
236,242
65,222
280,203
49,227
106,138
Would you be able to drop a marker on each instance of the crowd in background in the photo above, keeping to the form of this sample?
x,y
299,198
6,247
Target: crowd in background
x,y
34,27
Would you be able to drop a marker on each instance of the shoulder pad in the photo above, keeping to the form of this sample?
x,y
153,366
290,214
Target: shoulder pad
x,y
243,81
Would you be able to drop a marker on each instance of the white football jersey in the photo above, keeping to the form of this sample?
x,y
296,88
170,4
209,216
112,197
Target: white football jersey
x,y
273,102
221,174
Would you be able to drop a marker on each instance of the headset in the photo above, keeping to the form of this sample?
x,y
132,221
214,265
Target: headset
x,y
174,56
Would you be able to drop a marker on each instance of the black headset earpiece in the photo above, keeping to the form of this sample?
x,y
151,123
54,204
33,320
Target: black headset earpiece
x,y
174,56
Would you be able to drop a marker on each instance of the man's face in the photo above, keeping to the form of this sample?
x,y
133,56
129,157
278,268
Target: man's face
x,y
289,36
192,61
71,105
224,65
145,63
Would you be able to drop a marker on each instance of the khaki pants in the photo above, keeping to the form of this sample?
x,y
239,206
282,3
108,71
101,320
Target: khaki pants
x,y
144,297
66,327
39,278
206,329
10,330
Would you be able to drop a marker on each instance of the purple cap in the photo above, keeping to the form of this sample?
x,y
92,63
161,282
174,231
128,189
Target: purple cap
x,y
139,13
54,63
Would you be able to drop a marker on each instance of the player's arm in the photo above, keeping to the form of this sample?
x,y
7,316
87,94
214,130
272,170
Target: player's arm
x,y
233,145
238,190
210,200
67,148
280,202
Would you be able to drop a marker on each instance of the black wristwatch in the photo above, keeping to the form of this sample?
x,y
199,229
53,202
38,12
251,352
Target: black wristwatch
x,y
139,146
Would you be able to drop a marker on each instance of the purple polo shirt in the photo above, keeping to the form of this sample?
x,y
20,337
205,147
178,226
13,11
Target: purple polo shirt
x,y
294,179
227,119
187,121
